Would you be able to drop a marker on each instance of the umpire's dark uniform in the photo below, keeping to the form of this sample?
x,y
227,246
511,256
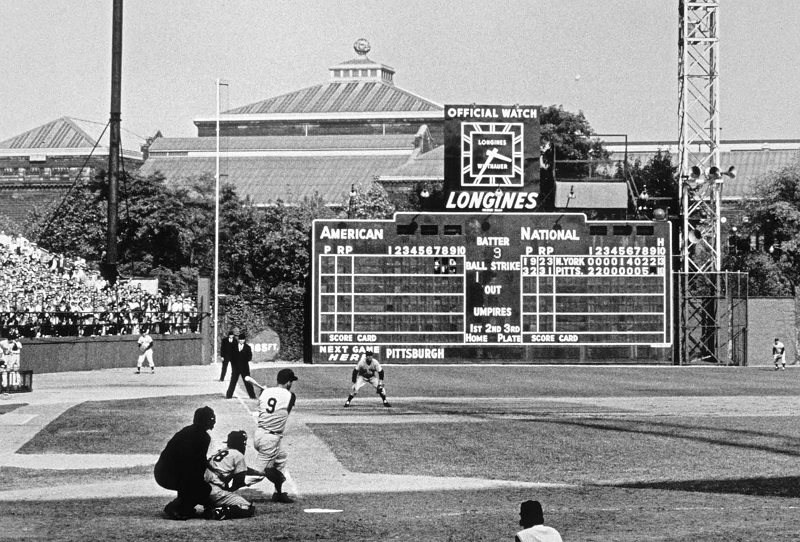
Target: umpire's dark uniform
x,y
182,465
226,350
240,366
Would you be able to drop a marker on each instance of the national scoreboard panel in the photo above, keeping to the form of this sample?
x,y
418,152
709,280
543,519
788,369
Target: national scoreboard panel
x,y
488,279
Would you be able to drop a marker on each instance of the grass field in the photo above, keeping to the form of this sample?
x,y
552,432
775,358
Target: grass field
x,y
641,454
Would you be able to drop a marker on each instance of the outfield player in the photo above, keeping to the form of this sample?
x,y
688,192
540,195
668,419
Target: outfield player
x,y
10,349
779,354
145,343
225,473
274,406
368,370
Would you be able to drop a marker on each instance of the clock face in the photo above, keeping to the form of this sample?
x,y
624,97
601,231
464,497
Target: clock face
x,y
491,154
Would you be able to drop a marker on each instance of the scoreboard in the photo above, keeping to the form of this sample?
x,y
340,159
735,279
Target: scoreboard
x,y
421,284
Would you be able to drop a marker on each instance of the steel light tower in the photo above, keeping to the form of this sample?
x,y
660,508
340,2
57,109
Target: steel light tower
x,y
698,145
713,315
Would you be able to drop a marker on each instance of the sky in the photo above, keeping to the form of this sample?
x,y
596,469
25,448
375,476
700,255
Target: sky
x,y
615,60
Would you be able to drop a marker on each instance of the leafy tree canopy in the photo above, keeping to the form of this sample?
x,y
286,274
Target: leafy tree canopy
x,y
773,225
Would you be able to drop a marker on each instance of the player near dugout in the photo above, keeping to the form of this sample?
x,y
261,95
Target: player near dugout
x,y
368,370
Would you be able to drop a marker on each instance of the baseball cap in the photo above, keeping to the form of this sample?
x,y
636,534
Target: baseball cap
x,y
286,375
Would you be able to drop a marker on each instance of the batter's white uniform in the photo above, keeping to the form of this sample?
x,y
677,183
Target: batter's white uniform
x,y
222,467
274,406
146,348
367,373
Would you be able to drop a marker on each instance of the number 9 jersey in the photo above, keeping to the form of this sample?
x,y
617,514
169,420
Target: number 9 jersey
x,y
274,406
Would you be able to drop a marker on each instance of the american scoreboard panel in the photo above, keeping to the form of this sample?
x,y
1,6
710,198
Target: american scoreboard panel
x,y
422,283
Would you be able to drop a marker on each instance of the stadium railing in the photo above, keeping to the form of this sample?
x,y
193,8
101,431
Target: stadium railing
x,y
92,324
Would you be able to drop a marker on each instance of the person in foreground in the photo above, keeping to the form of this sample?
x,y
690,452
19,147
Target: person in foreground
x,y
182,466
531,518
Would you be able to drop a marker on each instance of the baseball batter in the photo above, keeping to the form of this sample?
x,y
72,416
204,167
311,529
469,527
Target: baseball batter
x,y
145,352
779,354
368,370
274,406
225,473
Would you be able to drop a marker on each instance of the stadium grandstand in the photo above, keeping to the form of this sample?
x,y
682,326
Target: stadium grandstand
x,y
50,295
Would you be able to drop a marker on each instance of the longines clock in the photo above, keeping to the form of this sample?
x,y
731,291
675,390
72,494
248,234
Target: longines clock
x,y
492,154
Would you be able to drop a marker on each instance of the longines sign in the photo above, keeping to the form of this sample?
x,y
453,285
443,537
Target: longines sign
x,y
492,150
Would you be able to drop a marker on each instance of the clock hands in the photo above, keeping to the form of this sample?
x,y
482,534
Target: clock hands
x,y
490,155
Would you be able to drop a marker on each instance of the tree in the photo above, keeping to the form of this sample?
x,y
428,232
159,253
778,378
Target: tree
x,y
272,264
773,210
370,205
568,144
658,177
164,231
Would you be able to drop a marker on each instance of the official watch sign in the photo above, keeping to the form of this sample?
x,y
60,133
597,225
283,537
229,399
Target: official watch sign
x,y
491,148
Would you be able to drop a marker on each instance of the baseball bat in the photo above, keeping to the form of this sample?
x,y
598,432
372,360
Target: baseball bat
x,y
250,379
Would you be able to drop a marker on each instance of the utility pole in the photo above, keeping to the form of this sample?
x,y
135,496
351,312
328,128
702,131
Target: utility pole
x,y
110,264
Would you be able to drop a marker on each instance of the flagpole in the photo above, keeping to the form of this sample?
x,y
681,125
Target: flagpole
x,y
216,236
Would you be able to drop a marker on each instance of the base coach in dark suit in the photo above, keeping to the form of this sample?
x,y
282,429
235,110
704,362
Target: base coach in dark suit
x,y
240,366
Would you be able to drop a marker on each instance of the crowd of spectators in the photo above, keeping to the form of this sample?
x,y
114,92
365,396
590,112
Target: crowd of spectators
x,y
50,295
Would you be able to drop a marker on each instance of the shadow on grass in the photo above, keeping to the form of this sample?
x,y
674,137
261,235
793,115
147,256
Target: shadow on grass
x,y
776,443
785,486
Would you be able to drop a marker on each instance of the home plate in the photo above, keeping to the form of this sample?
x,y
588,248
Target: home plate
x,y
321,511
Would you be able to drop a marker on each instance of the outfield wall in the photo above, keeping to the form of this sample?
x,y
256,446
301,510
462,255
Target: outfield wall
x,y
62,354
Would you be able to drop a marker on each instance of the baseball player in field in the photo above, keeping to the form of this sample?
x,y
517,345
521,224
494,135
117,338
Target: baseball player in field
x,y
779,354
145,352
274,406
225,473
368,370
